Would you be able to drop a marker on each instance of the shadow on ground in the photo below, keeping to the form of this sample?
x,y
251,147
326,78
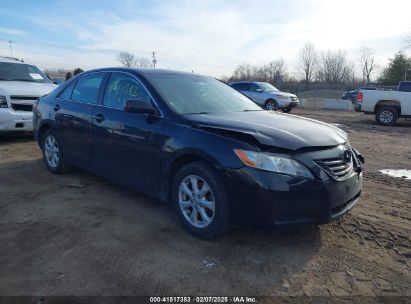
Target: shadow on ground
x,y
21,137
78,234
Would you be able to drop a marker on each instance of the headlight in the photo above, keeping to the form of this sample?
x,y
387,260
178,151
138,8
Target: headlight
x,y
273,163
282,97
3,102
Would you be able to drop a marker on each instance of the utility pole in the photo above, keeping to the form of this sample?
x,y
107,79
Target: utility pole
x,y
154,60
11,50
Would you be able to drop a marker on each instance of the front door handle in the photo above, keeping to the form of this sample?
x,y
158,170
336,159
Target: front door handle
x,y
99,117
56,107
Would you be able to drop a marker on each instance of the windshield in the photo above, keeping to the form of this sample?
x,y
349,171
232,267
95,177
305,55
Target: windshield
x,y
10,71
200,94
266,87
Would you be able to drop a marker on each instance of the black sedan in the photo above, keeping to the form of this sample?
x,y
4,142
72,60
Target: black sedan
x,y
193,140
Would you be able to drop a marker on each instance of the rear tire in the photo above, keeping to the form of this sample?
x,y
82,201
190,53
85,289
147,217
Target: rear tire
x,y
386,116
271,105
52,153
203,209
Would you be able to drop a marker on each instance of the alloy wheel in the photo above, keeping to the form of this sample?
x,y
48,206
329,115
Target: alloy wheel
x,y
271,106
51,151
196,201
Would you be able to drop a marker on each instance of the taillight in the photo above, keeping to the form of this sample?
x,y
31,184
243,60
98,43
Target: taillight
x,y
35,104
359,96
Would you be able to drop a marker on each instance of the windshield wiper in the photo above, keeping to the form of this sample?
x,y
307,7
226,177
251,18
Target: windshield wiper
x,y
29,80
196,113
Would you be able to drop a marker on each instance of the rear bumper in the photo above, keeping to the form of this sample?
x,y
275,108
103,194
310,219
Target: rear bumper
x,y
261,198
18,121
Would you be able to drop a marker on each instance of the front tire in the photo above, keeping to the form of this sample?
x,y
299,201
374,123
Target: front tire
x,y
271,105
200,200
386,116
52,153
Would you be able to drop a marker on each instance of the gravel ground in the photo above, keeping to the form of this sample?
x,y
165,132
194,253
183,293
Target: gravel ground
x,y
79,234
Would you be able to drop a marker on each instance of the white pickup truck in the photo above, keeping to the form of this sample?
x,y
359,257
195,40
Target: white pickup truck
x,y
387,106
21,85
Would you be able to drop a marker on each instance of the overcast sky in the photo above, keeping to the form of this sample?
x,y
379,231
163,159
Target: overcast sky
x,y
208,37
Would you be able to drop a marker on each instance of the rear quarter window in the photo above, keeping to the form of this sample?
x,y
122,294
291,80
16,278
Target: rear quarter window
x,y
66,94
87,88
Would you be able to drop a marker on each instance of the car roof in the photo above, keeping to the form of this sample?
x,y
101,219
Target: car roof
x,y
145,72
11,60
245,81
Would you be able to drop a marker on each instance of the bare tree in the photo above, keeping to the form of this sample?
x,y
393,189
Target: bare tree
x,y
367,62
128,60
276,71
334,68
307,61
55,71
243,71
142,62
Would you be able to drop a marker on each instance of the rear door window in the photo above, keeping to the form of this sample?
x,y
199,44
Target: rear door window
x,y
87,88
242,86
236,86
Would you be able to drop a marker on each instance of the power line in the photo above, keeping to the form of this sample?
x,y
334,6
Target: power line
x,y
44,44
60,46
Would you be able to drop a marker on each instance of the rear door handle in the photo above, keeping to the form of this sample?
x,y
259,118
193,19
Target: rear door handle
x,y
56,107
99,117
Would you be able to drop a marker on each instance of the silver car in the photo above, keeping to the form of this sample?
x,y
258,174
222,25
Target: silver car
x,y
266,95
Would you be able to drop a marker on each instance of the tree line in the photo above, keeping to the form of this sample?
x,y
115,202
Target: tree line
x,y
331,67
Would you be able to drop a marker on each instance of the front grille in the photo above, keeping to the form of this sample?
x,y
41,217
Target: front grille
x,y
337,167
20,97
22,107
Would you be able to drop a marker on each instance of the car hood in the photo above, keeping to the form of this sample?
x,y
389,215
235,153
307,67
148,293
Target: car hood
x,y
25,88
283,94
273,129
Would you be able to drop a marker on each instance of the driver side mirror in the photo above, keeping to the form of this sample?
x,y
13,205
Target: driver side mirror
x,y
139,106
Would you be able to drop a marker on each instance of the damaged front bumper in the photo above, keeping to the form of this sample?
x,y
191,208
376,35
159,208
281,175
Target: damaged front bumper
x,y
265,198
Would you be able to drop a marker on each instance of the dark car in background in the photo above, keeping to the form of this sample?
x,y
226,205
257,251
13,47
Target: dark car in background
x,y
352,95
404,86
195,141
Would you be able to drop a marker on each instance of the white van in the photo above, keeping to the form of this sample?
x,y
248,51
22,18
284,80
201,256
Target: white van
x,y
20,86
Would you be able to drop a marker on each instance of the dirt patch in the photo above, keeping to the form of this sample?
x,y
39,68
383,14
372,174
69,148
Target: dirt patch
x,y
79,234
